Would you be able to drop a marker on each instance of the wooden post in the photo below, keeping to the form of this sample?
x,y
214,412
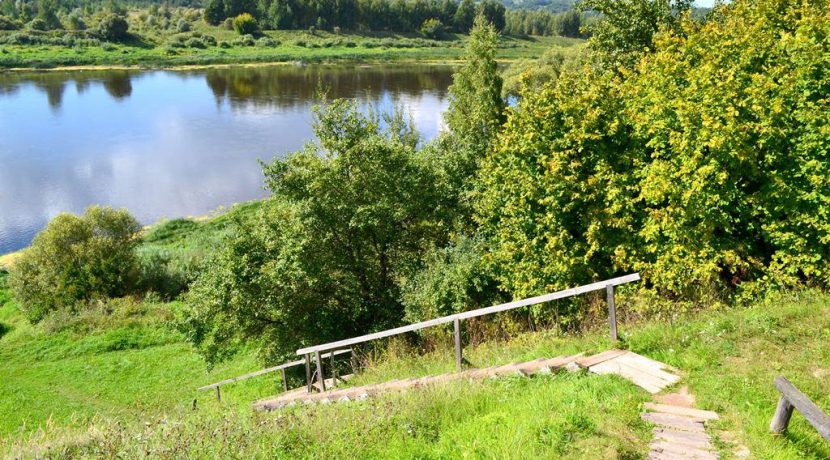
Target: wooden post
x,y
218,395
284,380
791,398
782,416
457,326
320,375
333,371
308,371
612,312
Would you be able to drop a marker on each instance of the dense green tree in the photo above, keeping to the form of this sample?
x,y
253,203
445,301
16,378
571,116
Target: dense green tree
x,y
215,12
432,28
493,13
349,215
627,27
245,24
701,165
465,14
476,108
113,27
47,11
75,259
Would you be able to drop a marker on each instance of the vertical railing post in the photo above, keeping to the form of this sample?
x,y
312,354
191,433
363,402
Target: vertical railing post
x,y
333,371
320,375
218,394
781,419
284,380
308,371
612,311
457,326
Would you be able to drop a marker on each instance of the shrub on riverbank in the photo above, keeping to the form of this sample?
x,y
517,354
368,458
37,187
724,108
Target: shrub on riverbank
x,y
76,259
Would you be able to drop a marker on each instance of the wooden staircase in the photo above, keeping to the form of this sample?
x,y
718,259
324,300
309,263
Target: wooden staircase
x,y
648,374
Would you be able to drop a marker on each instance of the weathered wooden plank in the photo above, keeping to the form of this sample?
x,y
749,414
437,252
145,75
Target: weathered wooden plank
x,y
643,380
474,313
457,329
679,436
267,370
673,421
640,364
791,398
697,414
612,312
648,362
684,451
700,440
588,361
320,377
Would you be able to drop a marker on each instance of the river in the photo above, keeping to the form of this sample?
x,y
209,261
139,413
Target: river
x,y
173,143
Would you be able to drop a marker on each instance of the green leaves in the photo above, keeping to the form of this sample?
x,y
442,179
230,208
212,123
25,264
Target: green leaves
x,y
703,163
75,259
348,217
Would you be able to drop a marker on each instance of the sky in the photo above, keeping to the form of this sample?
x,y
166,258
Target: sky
x,y
704,3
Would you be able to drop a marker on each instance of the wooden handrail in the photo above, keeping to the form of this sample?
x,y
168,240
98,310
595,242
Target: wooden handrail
x,y
267,370
473,314
792,398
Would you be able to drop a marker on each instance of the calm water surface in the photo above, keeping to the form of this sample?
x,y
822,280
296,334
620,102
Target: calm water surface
x,y
172,143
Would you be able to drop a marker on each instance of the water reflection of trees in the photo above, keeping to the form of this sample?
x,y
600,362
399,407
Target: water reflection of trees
x,y
117,83
284,86
289,86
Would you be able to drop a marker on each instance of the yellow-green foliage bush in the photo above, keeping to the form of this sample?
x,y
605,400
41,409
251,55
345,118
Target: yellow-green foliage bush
x,y
76,259
706,165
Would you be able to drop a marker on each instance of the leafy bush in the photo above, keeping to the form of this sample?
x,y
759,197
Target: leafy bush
x,y
195,43
75,259
347,218
19,38
432,28
112,27
245,24
75,22
7,23
38,24
245,40
266,42
182,26
224,44
702,167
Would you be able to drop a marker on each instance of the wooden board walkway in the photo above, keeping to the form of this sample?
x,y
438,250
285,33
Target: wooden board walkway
x,y
679,431
679,428
648,374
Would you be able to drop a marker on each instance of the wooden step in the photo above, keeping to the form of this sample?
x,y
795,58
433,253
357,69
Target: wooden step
x,y
588,361
675,422
697,414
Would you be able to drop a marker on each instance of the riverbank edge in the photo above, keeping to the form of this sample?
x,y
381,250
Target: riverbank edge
x,y
243,63
7,259
248,63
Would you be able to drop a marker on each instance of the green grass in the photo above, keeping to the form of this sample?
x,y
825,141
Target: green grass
x,y
125,387
156,51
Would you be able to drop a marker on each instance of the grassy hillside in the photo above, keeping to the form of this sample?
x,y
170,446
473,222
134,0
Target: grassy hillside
x,y
120,381
213,45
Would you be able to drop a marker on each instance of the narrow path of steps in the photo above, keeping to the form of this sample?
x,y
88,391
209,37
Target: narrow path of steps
x,y
648,374
679,431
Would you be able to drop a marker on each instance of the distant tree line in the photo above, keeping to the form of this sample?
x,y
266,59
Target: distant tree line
x,y
541,22
376,15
